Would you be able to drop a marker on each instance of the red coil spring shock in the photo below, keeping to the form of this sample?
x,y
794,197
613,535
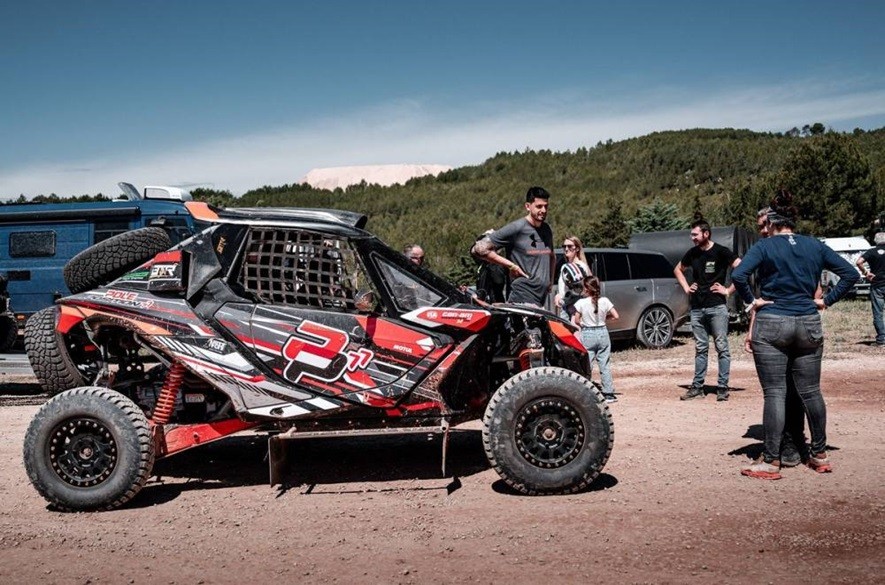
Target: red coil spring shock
x,y
168,394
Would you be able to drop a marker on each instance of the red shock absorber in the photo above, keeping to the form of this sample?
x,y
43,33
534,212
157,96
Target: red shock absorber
x,y
166,401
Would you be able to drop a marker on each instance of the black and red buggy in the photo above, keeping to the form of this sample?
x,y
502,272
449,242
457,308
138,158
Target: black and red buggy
x,y
292,322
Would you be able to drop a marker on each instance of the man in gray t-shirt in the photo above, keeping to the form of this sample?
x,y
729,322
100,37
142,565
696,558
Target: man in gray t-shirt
x,y
528,244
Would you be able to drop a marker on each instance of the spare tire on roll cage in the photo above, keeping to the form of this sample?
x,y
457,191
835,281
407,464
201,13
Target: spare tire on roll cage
x,y
112,258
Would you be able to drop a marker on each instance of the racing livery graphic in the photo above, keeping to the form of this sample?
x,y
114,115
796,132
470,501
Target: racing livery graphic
x,y
297,322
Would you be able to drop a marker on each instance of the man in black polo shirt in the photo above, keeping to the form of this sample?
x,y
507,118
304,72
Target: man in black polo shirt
x,y
709,263
875,259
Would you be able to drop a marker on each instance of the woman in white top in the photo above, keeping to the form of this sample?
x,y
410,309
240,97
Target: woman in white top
x,y
591,312
574,254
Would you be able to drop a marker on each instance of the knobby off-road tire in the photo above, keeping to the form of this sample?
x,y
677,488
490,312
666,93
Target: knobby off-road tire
x,y
89,448
547,431
114,257
8,332
48,354
655,329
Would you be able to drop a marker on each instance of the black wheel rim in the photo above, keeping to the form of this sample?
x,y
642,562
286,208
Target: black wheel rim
x,y
82,451
656,328
549,432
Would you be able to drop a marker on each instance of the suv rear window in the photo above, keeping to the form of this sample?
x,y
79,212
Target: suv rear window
x,y
649,266
616,267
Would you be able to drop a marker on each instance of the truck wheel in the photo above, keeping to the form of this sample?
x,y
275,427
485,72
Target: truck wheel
x,y
8,332
55,357
547,431
114,257
89,448
655,329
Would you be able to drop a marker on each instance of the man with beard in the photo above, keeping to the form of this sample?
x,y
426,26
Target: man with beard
x,y
709,263
528,249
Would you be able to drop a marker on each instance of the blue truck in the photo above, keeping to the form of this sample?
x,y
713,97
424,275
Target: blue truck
x,y
38,239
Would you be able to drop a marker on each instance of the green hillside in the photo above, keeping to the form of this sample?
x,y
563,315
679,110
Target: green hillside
x,y
725,174
604,192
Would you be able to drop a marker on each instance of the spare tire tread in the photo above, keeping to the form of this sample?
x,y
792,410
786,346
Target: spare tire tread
x,y
112,258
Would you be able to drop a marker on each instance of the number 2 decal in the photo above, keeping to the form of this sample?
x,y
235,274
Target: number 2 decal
x,y
318,353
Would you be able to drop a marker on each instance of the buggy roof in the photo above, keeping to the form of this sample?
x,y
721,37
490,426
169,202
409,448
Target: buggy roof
x,y
334,220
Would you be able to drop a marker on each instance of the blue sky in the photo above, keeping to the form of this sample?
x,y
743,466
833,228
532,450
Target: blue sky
x,y
235,95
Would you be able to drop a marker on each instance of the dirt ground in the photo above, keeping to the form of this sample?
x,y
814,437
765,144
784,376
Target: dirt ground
x,y
670,506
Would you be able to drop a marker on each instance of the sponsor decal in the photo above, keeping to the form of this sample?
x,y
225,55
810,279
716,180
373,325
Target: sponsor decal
x,y
127,298
135,275
472,320
121,295
217,345
459,316
163,270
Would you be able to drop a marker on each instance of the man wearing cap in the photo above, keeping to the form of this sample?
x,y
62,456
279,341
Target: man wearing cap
x,y
874,258
528,246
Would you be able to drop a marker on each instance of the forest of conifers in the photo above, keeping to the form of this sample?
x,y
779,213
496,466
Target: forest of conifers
x,y
602,193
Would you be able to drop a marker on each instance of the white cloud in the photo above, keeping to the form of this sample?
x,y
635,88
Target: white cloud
x,y
410,132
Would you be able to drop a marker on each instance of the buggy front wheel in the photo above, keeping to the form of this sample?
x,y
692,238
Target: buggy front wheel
x,y
547,431
89,448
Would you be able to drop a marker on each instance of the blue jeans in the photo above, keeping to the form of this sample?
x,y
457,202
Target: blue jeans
x,y
704,322
790,347
599,346
877,300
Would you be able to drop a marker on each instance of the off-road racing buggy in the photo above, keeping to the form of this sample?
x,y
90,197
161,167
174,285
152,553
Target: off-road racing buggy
x,y
293,322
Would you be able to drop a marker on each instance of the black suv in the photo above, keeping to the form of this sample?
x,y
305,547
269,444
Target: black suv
x,y
293,321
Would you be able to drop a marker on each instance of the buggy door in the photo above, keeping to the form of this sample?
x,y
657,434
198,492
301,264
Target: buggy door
x,y
308,330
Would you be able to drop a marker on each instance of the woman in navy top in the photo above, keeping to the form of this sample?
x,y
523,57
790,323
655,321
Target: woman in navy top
x,y
787,336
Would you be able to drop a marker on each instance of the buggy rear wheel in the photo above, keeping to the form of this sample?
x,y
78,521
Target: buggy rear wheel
x,y
547,431
89,448
60,361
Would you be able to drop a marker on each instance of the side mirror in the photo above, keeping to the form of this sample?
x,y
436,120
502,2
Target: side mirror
x,y
364,301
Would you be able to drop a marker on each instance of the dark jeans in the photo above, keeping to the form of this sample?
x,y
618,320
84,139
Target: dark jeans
x,y
704,322
877,301
783,348
794,422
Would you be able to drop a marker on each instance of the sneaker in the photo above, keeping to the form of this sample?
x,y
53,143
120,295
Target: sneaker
x,y
693,392
820,463
611,398
762,470
790,458
722,394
